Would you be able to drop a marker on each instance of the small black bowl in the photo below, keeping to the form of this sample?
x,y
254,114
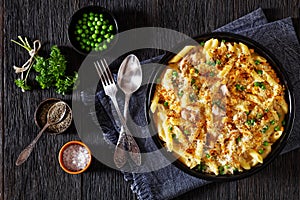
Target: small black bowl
x,y
289,97
78,16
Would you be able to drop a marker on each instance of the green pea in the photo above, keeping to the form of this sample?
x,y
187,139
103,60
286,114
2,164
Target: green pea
x,y
101,20
86,31
106,36
99,23
104,46
97,31
112,37
79,31
99,40
89,24
91,18
92,28
88,48
94,36
79,21
102,32
84,19
100,15
110,27
96,19
104,27
83,35
92,44
84,27
91,14
78,38
82,47
94,23
108,40
101,48
85,15
88,42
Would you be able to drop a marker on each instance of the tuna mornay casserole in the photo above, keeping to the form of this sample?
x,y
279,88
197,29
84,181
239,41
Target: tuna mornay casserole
x,y
219,106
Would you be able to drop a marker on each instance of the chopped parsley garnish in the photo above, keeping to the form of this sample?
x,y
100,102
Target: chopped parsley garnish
x,y
265,128
180,93
221,170
260,72
202,43
193,81
166,103
218,62
170,128
272,122
250,122
239,87
186,132
195,87
283,122
260,84
173,135
259,115
201,167
267,110
207,155
277,128
247,112
211,74
228,55
196,71
238,139
175,74
211,63
223,41
257,62
265,143
261,151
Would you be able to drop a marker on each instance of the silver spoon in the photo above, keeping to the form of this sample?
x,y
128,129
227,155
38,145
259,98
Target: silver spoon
x,y
129,80
55,114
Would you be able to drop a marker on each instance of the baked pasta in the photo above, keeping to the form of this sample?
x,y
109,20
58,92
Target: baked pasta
x,y
219,106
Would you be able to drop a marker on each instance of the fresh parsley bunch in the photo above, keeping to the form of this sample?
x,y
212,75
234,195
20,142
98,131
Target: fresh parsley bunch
x,y
52,72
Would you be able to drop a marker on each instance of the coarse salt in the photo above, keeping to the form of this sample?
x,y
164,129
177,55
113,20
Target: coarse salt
x,y
76,157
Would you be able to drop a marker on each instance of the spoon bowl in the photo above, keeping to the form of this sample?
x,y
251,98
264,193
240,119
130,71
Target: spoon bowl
x,y
130,74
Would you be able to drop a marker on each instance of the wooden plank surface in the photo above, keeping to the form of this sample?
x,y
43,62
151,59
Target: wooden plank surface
x,y
41,177
1,99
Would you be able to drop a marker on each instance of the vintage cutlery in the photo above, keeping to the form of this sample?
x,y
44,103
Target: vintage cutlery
x,y
129,80
110,90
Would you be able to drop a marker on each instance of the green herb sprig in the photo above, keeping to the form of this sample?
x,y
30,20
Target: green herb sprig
x,y
51,71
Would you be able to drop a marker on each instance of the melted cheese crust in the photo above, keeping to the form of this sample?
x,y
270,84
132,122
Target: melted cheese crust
x,y
219,107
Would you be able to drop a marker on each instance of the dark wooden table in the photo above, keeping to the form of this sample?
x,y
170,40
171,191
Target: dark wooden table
x,y
41,177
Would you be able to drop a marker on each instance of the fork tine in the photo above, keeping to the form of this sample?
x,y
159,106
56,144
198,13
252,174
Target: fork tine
x,y
105,73
100,73
110,77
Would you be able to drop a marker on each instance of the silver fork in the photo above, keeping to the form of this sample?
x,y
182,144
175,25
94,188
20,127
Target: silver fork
x,y
110,90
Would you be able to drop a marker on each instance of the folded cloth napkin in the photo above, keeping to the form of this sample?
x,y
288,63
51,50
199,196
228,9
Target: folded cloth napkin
x,y
166,183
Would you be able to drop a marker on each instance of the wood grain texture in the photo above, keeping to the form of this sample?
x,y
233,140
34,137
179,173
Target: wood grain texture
x,y
41,177
1,100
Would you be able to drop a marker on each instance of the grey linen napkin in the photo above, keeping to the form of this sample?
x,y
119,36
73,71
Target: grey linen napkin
x,y
166,183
